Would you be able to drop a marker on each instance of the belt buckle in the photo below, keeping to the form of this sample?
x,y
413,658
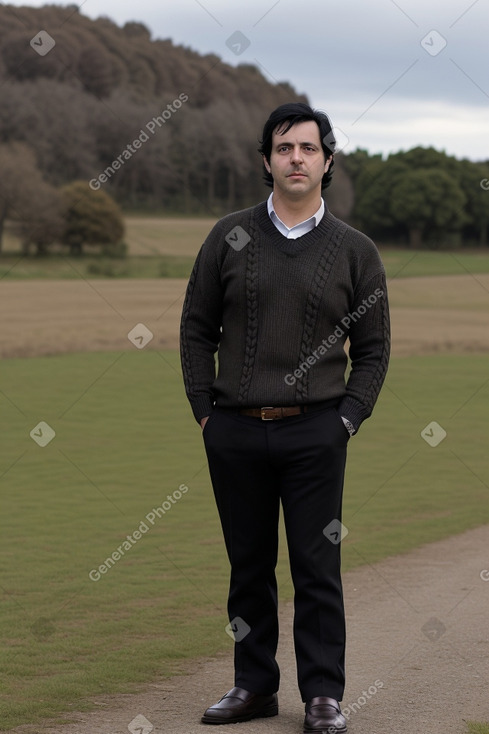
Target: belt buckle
x,y
268,407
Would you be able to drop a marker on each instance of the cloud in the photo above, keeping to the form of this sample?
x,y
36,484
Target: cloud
x,y
393,125
348,56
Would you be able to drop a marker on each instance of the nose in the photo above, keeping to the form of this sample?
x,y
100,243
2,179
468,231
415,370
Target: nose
x,y
296,154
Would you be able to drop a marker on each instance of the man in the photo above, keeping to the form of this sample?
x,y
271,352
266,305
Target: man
x,y
276,290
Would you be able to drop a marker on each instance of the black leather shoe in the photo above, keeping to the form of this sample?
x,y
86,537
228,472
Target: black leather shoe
x,y
240,705
323,716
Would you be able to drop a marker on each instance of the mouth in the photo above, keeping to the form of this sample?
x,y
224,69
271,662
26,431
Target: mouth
x,y
296,174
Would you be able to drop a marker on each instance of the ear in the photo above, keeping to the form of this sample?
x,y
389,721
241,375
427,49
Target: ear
x,y
266,164
327,163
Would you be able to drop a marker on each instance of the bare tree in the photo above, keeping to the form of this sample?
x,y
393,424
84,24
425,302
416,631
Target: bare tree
x,y
26,199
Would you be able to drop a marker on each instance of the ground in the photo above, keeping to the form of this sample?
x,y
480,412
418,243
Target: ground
x,y
418,640
429,315
417,657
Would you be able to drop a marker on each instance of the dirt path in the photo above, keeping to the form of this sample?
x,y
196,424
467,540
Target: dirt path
x,y
417,656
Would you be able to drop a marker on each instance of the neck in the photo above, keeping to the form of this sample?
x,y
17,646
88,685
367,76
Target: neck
x,y
294,211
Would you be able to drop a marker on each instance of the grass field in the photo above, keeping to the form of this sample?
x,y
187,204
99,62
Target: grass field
x,y
477,728
126,442
63,267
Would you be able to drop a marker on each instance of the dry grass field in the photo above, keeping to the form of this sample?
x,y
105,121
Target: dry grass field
x,y
55,317
430,315
166,236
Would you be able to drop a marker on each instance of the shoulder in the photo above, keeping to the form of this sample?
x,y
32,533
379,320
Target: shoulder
x,y
352,236
230,233
243,218
355,240
359,250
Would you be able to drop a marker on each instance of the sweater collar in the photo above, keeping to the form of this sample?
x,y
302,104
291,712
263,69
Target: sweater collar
x,y
297,230
324,230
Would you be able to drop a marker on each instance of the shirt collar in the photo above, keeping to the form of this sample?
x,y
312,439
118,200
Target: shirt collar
x,y
298,229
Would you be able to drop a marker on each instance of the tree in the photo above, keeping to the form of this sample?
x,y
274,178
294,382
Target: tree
x,y
90,218
55,120
81,104
97,70
146,178
419,157
474,180
427,201
134,29
26,199
44,225
373,194
354,163
340,195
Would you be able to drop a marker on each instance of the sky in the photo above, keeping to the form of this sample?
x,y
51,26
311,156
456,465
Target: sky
x,y
391,74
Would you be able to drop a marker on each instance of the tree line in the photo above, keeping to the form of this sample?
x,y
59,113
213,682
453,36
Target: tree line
x,y
421,197
158,127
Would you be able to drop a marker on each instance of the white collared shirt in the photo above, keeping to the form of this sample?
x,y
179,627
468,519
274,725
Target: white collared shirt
x,y
298,229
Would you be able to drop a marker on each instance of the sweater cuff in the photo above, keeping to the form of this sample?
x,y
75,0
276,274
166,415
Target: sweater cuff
x,y
354,411
201,407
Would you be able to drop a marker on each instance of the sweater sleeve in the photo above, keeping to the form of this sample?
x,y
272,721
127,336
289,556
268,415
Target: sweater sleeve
x,y
200,328
369,334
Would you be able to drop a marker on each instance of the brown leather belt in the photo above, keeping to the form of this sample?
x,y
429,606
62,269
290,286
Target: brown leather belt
x,y
270,413
273,414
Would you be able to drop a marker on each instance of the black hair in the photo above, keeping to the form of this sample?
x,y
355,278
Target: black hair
x,y
289,114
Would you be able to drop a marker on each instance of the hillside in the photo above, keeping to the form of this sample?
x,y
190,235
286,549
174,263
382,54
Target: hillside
x,y
85,90
163,129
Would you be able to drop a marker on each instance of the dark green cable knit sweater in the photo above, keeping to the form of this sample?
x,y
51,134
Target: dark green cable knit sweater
x,y
278,311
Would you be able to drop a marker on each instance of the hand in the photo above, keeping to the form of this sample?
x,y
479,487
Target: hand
x,y
203,421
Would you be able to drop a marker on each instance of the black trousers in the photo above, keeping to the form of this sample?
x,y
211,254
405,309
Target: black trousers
x,y
254,465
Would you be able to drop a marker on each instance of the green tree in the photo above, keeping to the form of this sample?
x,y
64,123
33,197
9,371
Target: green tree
x,y
427,201
91,218
474,180
355,162
422,158
373,194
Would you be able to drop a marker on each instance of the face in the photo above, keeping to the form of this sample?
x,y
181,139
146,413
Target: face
x,y
297,161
